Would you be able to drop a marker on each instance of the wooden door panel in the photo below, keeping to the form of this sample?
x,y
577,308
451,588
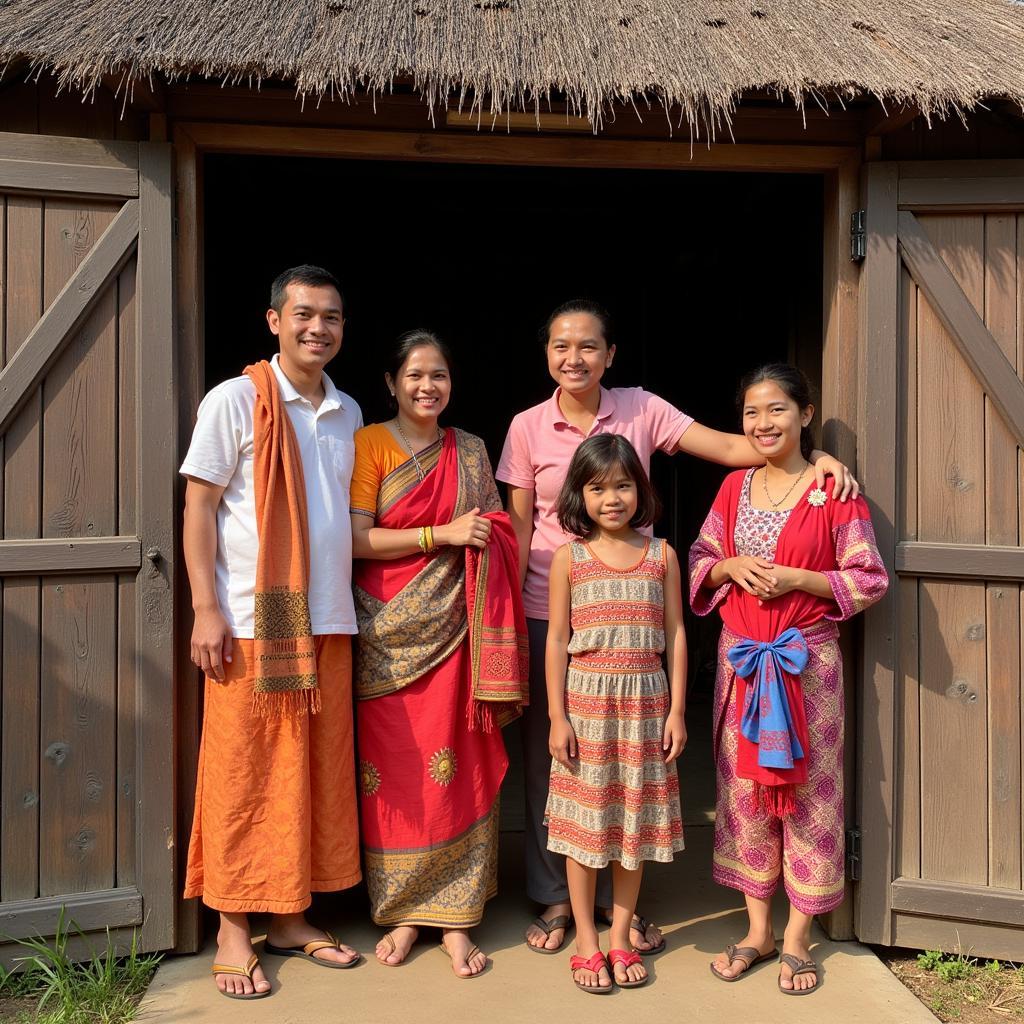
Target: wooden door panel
x,y
945,321
88,477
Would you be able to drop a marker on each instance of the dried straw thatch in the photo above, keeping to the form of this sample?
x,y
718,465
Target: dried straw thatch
x,y
696,56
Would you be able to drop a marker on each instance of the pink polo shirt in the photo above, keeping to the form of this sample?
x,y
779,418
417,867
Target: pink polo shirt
x,y
540,445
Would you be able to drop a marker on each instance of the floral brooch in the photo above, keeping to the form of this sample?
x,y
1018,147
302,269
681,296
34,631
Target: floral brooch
x,y
817,497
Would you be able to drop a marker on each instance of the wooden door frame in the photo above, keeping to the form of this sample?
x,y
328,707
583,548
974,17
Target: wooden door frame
x,y
894,192
839,167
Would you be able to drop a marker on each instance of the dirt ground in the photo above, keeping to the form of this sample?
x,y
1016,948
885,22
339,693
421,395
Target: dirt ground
x,y
975,993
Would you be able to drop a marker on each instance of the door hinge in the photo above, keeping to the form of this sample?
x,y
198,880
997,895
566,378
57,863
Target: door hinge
x,y
858,236
853,854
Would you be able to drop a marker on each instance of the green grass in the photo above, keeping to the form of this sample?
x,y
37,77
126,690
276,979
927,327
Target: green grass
x,y
103,990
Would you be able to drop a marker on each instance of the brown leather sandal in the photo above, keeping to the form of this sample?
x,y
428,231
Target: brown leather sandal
x,y
563,921
798,966
469,956
747,955
246,972
306,952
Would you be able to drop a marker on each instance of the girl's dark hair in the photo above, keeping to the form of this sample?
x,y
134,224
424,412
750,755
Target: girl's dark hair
x,y
577,306
596,459
796,386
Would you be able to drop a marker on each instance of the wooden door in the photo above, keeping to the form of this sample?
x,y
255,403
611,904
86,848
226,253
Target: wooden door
x,y
942,427
86,555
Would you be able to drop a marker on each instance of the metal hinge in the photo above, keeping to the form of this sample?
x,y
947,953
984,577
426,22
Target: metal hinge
x,y
858,236
853,854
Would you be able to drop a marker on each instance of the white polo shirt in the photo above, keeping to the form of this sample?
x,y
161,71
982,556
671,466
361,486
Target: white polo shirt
x,y
221,453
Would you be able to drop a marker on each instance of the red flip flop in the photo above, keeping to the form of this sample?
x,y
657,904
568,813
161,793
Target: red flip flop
x,y
593,963
621,957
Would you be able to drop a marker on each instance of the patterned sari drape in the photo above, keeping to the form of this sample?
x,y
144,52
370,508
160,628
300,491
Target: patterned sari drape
x,y
440,656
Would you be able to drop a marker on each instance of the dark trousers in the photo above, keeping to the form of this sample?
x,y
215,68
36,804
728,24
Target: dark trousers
x,y
545,871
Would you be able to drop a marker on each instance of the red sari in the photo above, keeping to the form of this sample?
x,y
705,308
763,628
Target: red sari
x,y
441,658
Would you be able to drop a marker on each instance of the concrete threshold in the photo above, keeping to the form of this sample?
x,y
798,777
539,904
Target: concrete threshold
x,y
698,917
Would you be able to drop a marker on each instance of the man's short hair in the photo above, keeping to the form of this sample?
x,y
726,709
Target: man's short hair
x,y
305,274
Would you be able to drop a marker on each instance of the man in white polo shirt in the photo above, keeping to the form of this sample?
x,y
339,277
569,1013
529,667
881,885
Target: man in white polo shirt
x,y
275,816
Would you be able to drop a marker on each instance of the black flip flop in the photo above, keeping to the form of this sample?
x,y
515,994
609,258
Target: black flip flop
x,y
306,952
746,954
641,926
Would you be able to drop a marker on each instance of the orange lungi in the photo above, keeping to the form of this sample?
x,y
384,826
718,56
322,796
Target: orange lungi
x,y
275,816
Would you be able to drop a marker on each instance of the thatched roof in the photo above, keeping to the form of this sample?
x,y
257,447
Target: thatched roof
x,y
695,55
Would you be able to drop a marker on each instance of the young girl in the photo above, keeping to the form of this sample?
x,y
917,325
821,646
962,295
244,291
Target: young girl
x,y
616,721
784,561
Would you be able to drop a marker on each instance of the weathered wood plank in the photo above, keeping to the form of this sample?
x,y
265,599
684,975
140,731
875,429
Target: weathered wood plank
x,y
74,179
879,366
952,461
516,151
48,148
1001,452
907,819
1003,600
960,318
960,561
1004,735
156,513
967,169
80,391
67,311
839,402
19,834
78,724
83,554
127,620
954,732
1002,941
963,194
92,911
963,902
190,348
907,469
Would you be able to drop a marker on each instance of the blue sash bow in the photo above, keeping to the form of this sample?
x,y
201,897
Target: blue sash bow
x,y
767,720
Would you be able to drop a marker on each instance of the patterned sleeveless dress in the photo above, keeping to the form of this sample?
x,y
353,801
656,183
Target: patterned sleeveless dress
x,y
619,801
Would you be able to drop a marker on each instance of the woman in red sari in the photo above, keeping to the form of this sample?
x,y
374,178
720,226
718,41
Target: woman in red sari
x,y
440,664
783,561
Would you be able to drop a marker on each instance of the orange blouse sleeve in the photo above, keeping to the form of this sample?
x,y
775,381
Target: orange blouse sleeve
x,y
367,472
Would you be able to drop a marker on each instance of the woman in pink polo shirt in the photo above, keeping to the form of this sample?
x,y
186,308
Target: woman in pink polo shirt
x,y
539,446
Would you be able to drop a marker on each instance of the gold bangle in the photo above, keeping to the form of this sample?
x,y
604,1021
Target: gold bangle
x,y
423,539
430,539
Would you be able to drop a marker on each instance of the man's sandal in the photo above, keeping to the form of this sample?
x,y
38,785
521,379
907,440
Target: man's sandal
x,y
246,972
798,966
306,952
747,955
641,924
624,959
562,921
593,963
469,956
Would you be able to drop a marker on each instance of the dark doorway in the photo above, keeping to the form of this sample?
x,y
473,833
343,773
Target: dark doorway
x,y
705,274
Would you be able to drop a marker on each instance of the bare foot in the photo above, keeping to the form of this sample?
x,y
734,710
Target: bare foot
x,y
467,960
762,943
585,976
394,947
234,948
536,937
293,930
799,948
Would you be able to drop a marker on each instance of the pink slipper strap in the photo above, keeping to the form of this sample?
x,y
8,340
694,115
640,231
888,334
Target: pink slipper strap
x,y
621,956
593,963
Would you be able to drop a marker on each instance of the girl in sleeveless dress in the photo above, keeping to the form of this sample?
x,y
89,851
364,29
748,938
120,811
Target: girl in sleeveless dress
x,y
616,717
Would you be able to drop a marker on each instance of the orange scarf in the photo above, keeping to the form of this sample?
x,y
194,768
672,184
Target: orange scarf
x,y
283,645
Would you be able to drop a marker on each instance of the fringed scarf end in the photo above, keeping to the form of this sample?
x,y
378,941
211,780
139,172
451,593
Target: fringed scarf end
x,y
286,703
